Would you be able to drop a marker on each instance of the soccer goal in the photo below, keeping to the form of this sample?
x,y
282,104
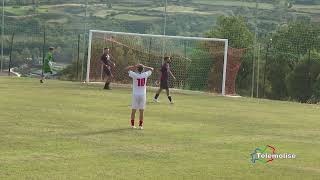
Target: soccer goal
x,y
198,63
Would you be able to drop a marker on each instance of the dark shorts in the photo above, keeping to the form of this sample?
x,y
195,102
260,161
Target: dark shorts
x,y
107,71
164,84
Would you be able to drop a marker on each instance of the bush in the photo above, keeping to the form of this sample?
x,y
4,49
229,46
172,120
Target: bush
x,y
278,68
303,81
316,91
198,70
70,72
298,84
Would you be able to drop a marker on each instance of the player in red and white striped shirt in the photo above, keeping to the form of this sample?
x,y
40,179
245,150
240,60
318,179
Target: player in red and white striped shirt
x,y
139,90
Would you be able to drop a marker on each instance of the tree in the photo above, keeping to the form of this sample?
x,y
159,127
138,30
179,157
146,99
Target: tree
x,y
233,28
291,43
302,81
296,38
278,68
236,30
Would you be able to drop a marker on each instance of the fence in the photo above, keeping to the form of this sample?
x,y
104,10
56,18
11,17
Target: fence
x,y
276,41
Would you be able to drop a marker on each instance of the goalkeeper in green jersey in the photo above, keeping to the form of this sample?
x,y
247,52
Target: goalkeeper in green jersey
x,y
47,65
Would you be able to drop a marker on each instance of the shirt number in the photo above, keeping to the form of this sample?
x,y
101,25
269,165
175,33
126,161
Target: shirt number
x,y
141,82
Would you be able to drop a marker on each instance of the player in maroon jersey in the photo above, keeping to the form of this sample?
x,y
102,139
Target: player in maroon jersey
x,y
165,72
107,62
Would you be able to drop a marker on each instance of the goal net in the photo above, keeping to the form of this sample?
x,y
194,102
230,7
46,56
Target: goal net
x,y
197,63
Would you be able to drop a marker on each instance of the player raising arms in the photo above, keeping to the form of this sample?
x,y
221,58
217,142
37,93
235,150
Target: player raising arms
x,y
139,90
165,71
107,64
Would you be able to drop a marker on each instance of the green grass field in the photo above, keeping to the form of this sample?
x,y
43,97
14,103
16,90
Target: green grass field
x,y
67,130
131,17
235,3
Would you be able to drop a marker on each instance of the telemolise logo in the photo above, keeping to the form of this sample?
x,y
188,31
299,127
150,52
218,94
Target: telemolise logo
x,y
267,154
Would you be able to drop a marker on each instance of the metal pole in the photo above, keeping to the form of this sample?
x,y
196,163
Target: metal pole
x,y
2,37
43,48
164,29
265,67
78,57
10,55
89,57
265,70
150,43
254,49
84,39
185,48
225,62
309,71
258,71
253,71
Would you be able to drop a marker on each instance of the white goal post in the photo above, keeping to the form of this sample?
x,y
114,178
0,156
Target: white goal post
x,y
135,45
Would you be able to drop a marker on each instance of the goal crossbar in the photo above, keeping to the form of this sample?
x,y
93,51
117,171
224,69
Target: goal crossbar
x,y
160,36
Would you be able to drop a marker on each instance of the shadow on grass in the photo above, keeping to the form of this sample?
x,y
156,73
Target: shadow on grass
x,y
108,131
147,103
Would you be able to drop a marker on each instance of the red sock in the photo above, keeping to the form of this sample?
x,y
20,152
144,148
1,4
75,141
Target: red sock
x,y
132,122
140,122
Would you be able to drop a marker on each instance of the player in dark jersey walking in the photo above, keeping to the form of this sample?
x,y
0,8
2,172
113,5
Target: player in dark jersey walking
x,y
107,64
165,71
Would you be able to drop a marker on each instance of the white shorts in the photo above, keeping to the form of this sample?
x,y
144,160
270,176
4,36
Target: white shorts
x,y
138,101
